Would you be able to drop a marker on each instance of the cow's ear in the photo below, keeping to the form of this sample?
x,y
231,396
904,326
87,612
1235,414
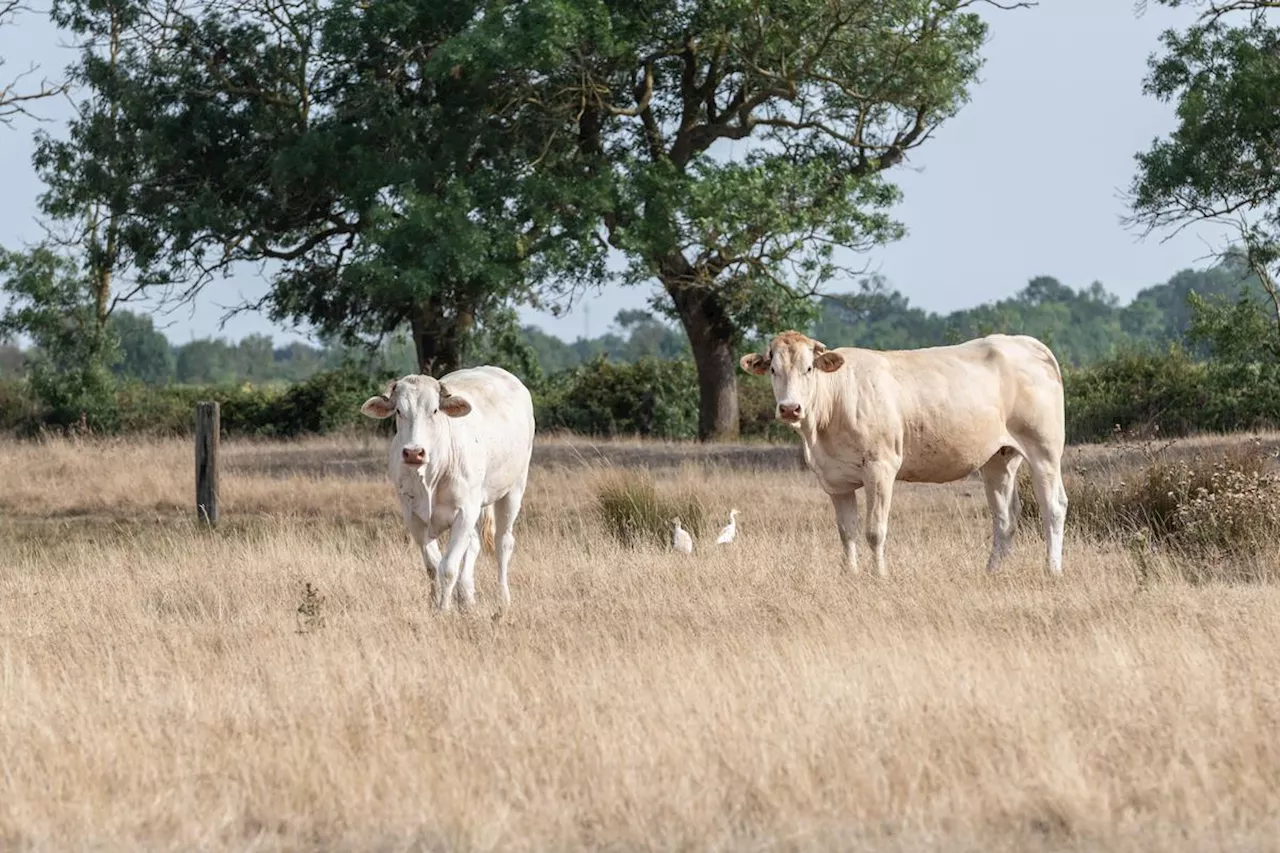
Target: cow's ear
x,y
829,362
453,405
754,363
378,407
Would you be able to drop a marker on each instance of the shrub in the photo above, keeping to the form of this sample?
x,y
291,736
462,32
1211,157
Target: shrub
x,y
17,409
652,397
633,512
245,410
1236,512
1197,507
756,407
324,403
1138,391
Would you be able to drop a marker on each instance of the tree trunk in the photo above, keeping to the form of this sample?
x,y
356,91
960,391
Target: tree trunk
x,y
711,336
440,336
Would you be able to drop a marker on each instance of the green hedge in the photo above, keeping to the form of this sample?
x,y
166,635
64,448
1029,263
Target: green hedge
x,y
324,403
1139,391
1134,391
652,397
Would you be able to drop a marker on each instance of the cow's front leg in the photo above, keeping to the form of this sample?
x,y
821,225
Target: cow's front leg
x,y
846,507
431,557
427,546
879,480
467,578
459,541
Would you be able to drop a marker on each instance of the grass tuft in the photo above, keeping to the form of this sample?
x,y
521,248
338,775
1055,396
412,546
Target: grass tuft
x,y
633,511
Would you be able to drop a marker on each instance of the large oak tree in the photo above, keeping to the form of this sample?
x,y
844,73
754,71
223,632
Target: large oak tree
x,y
331,144
825,96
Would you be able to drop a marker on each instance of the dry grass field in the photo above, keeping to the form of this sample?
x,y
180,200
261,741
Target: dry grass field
x,y
160,690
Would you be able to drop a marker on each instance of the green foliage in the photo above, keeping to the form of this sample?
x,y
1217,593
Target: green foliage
x,y
1237,387
341,141
69,371
1082,326
1238,333
1220,162
834,93
649,398
13,364
1137,390
329,402
145,354
326,402
19,412
639,334
634,513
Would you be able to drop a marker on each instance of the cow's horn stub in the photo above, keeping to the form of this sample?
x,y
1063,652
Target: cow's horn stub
x,y
819,347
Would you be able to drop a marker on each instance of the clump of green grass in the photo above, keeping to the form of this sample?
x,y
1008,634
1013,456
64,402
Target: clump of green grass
x,y
633,511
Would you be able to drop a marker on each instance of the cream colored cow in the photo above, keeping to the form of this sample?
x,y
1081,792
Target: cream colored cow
x,y
460,461
869,418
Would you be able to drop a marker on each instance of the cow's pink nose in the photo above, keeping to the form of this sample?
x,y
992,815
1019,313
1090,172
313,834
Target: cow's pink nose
x,y
413,455
789,411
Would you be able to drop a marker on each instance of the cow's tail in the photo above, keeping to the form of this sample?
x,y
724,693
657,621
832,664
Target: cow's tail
x,y
488,527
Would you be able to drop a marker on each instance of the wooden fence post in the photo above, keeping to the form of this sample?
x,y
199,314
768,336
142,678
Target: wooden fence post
x,y
208,430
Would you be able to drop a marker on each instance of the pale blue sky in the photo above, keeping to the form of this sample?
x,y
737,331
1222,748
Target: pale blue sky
x,y
1026,181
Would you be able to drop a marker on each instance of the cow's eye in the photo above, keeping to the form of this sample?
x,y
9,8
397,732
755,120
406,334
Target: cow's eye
x,y
809,369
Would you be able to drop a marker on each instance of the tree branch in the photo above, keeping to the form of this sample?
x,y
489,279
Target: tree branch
x,y
1008,6
644,94
14,102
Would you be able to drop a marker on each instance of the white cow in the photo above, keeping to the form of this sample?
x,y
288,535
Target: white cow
x,y
869,418
460,460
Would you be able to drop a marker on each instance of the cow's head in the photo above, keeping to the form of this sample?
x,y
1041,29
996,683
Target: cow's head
x,y
792,362
419,404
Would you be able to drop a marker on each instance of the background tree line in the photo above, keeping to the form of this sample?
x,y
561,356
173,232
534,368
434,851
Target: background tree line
x,y
1084,326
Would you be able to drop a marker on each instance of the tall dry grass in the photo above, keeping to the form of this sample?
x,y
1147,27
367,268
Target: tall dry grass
x,y
159,688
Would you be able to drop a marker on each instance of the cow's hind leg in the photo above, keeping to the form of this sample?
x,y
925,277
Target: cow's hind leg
x,y
1046,475
505,510
1000,475
846,507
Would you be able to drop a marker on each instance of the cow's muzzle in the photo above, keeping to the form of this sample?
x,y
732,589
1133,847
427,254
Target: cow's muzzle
x,y
789,412
414,456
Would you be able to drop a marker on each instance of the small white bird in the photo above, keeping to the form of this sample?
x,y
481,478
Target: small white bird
x,y
680,539
730,530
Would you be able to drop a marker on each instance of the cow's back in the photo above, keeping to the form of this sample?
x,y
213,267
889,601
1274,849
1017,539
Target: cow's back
x,y
946,410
